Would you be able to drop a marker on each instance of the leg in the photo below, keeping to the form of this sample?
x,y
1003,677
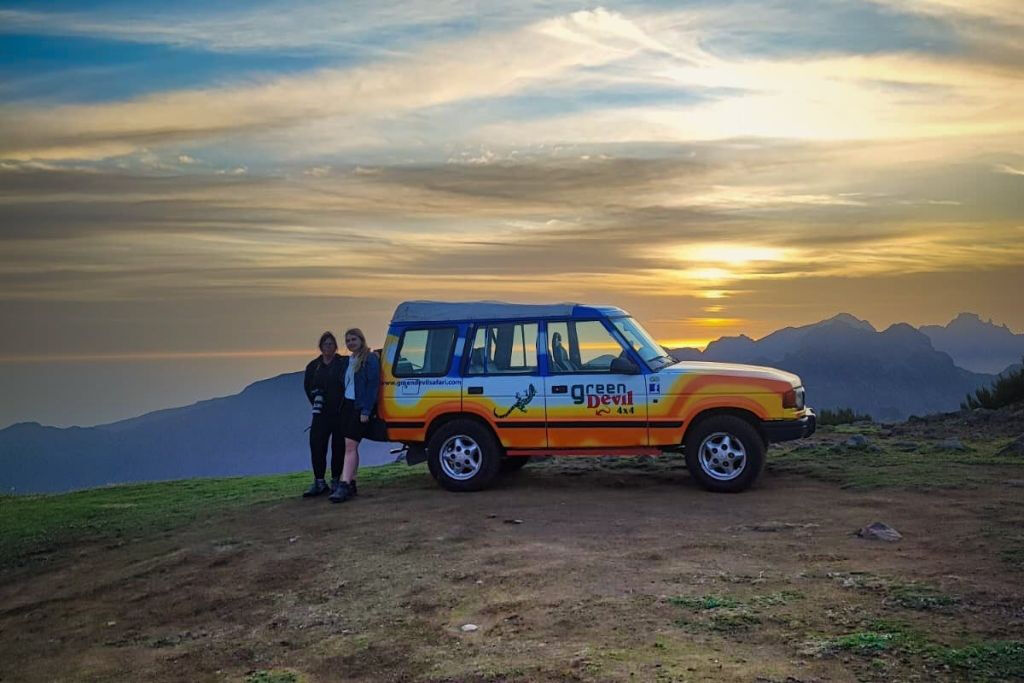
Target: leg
x,y
319,433
337,451
348,473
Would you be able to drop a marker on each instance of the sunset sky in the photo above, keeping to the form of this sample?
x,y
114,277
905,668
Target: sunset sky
x,y
191,192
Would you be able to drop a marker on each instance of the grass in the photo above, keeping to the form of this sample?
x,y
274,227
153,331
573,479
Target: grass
x,y
926,468
984,661
703,603
998,660
40,524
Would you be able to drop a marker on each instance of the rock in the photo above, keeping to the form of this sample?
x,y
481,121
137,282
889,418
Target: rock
x,y
1015,483
878,531
1015,447
951,444
906,445
858,441
469,628
513,521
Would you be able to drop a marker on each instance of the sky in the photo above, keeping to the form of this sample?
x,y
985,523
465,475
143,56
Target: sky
x,y
191,192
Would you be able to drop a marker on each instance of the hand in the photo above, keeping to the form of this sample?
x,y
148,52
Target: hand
x,y
364,418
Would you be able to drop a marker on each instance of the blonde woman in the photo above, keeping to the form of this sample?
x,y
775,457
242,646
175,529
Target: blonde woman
x,y
360,384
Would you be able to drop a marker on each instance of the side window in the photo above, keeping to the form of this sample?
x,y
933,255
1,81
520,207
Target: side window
x,y
425,352
581,346
503,349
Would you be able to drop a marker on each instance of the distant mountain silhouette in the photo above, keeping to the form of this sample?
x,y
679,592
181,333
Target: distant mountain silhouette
x,y
257,431
845,363
977,345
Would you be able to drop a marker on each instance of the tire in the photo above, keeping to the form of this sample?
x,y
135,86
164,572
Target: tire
x,y
463,455
724,453
514,464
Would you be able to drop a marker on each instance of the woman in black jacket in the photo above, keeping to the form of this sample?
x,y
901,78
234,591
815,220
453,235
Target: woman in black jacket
x,y
360,385
322,383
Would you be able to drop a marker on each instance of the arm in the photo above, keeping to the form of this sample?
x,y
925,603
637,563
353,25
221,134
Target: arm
x,y
372,385
307,383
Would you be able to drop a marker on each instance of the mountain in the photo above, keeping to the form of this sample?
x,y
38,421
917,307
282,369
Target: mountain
x,y
260,430
845,362
977,345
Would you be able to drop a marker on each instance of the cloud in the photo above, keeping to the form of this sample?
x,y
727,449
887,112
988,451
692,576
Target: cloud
x,y
486,66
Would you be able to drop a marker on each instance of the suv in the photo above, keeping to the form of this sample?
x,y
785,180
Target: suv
x,y
476,388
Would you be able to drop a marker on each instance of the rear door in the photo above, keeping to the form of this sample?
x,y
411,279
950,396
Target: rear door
x,y
502,381
591,402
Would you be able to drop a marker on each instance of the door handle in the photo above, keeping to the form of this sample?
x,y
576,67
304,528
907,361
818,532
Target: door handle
x,y
475,390
560,389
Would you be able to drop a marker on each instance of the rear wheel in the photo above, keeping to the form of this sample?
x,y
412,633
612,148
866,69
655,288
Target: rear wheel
x,y
724,453
463,455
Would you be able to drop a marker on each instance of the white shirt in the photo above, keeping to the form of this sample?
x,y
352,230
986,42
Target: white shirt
x,y
350,376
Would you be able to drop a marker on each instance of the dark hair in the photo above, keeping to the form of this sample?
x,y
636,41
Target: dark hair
x,y
324,337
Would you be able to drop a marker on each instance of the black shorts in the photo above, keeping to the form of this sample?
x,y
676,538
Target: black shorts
x,y
351,426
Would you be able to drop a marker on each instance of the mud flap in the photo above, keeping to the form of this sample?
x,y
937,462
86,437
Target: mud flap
x,y
415,454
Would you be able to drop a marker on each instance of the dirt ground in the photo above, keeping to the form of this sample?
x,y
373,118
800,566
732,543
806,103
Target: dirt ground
x,y
568,573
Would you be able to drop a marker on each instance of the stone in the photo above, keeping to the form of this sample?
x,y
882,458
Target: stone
x,y
878,531
1015,447
906,445
858,441
513,521
951,444
469,628
1015,483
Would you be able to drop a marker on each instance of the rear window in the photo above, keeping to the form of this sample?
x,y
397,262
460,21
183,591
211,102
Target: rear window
x,y
425,352
503,349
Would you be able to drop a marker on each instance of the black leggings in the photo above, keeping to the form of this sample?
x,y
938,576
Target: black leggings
x,y
326,428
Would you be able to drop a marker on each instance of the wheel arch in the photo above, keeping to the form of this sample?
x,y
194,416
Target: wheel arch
x,y
741,413
445,418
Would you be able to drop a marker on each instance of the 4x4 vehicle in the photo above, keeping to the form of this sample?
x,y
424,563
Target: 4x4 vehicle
x,y
475,388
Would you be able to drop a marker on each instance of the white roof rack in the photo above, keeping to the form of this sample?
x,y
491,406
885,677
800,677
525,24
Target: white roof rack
x,y
433,311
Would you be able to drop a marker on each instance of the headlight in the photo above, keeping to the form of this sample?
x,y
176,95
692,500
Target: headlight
x,y
794,398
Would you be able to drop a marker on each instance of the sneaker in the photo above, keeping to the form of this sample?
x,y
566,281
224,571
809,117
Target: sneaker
x,y
318,487
342,493
334,484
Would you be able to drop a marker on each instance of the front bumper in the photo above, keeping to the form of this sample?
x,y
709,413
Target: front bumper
x,y
787,430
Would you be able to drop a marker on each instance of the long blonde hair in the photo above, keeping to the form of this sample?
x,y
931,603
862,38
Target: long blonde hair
x,y
358,357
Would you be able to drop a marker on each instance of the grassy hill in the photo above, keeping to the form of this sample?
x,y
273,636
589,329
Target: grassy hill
x,y
580,569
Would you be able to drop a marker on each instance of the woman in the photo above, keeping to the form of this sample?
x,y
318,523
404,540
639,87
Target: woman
x,y
322,383
360,383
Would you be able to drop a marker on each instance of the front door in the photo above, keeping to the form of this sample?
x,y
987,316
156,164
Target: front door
x,y
502,382
591,401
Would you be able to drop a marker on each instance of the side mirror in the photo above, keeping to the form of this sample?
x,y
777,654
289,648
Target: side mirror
x,y
624,366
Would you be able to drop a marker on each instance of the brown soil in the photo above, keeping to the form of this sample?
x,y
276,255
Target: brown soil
x,y
378,589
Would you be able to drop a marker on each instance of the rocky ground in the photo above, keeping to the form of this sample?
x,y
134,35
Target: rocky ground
x,y
573,569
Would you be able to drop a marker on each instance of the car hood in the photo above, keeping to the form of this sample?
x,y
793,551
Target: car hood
x,y
690,367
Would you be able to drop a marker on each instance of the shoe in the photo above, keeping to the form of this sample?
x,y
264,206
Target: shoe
x,y
318,487
334,484
353,489
342,493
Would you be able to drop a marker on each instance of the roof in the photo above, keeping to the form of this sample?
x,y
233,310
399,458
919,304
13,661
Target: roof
x,y
436,311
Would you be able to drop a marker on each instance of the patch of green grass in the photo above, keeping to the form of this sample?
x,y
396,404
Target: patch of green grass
x,y
36,524
926,468
997,660
703,602
272,676
919,597
733,621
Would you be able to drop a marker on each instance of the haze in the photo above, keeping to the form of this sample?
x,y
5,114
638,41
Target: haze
x,y
191,193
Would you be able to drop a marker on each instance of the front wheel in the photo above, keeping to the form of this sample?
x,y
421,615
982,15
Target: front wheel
x,y
463,455
724,453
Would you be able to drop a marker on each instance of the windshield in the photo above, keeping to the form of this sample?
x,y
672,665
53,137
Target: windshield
x,y
643,343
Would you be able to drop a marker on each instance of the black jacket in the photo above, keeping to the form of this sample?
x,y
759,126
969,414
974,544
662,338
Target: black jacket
x,y
327,379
